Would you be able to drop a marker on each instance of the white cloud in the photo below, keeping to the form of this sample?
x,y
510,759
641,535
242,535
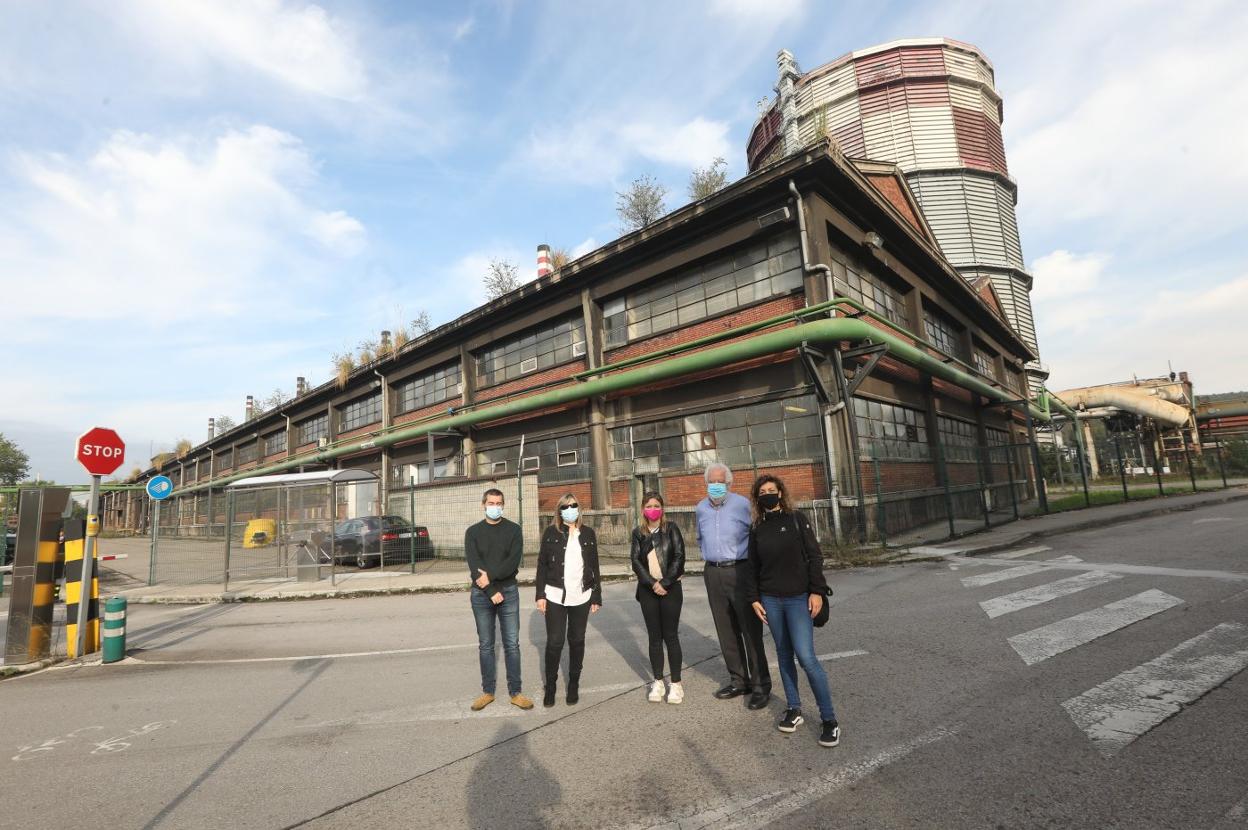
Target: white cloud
x,y
1146,133
299,45
589,244
464,29
1062,274
596,151
159,230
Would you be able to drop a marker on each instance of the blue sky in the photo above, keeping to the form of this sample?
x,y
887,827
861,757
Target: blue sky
x,y
201,200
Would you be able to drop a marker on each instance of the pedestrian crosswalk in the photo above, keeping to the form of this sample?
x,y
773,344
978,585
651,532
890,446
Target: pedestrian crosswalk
x,y
1121,709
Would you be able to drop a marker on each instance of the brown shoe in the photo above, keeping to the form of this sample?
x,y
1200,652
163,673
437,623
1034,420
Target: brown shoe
x,y
521,701
482,702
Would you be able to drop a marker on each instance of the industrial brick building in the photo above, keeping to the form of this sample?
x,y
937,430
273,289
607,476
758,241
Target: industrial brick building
x,y
801,321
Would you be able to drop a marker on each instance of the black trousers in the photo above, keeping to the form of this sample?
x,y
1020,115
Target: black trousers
x,y
564,623
738,628
662,616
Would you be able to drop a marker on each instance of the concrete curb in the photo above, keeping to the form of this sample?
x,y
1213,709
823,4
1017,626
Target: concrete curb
x,y
26,668
1091,524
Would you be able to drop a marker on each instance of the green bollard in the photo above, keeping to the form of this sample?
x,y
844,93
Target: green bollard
x,y
114,629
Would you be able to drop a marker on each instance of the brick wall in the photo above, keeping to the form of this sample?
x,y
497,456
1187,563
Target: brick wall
x,y
432,409
548,495
358,433
898,476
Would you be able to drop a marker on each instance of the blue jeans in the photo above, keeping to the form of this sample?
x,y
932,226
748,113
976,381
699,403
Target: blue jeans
x,y
508,615
794,634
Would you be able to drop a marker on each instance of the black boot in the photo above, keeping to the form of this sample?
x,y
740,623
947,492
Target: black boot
x,y
574,690
548,698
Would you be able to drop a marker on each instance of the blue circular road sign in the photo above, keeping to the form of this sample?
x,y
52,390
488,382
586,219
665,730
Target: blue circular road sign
x,y
160,487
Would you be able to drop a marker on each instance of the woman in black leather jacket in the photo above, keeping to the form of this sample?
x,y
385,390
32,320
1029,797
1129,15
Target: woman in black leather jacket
x,y
658,556
569,589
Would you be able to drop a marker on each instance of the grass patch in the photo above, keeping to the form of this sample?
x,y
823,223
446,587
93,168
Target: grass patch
x,y
1075,501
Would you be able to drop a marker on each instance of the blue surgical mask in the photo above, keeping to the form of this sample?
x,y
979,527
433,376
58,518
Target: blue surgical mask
x,y
717,490
570,514
494,512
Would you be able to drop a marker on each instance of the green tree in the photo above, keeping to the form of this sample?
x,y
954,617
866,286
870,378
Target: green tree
x,y
501,277
642,204
709,180
14,464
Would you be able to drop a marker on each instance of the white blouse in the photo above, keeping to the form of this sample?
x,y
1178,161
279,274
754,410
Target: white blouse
x,y
572,593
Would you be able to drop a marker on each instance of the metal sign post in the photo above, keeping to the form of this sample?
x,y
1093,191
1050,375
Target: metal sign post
x,y
88,563
158,488
101,451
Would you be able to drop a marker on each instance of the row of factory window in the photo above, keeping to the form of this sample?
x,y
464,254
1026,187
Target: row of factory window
x,y
754,273
889,431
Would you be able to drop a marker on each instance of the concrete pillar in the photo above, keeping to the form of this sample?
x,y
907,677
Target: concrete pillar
x,y
599,456
468,387
1094,466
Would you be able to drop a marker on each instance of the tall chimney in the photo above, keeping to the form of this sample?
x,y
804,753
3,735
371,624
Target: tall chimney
x,y
212,428
301,386
543,261
384,349
249,411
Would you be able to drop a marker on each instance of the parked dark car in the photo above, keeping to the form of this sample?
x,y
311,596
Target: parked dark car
x,y
366,539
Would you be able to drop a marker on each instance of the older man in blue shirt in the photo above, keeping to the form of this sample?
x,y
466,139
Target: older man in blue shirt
x,y
724,536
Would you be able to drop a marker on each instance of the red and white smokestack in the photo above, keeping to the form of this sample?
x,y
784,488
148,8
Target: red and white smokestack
x,y
544,268
212,428
249,411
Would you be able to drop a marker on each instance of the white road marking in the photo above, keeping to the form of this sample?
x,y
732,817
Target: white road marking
x,y
1050,640
1123,708
979,580
762,810
1213,519
1017,601
823,658
931,550
382,653
1015,554
1135,570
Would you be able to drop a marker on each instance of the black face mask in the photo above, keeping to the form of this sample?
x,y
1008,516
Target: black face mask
x,y
769,501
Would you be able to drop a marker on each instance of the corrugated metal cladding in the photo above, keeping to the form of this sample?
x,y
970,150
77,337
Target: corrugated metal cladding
x,y
972,216
933,110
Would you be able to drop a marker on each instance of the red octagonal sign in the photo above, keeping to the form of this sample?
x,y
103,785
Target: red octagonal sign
x,y
101,451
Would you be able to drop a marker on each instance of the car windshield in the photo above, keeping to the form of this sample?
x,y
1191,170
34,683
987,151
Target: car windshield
x,y
395,523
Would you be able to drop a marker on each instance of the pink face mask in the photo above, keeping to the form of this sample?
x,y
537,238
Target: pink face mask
x,y
652,514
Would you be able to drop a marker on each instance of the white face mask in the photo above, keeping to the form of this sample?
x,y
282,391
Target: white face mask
x,y
494,512
570,514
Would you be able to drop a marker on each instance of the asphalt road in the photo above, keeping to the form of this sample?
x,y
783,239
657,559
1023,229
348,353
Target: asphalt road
x,y
968,695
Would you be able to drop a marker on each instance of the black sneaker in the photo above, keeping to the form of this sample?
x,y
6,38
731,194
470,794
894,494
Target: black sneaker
x,y
791,719
830,735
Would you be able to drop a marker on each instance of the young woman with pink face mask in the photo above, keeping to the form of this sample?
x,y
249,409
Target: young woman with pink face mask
x,y
658,556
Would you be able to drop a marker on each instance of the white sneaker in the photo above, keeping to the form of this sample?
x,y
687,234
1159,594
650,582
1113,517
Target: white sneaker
x,y
676,694
656,692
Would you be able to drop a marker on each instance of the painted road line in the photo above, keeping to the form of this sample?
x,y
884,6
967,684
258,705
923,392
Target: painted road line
x,y
1049,640
1017,601
1123,708
1015,554
1133,570
979,580
823,658
763,810
295,659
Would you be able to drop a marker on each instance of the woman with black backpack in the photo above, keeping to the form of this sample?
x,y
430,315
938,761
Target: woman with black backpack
x,y
785,583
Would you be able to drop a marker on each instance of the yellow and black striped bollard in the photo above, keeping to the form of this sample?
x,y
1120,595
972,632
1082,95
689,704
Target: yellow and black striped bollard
x,y
75,543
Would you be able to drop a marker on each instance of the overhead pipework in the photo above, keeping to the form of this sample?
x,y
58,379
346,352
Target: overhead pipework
x,y
1137,400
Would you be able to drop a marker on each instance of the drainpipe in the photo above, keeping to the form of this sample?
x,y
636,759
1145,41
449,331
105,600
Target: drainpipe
x,y
829,439
383,487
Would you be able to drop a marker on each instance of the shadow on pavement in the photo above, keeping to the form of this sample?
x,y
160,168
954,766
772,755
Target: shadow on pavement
x,y
510,787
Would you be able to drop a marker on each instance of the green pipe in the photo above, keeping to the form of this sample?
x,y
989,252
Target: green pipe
x,y
1215,412
828,330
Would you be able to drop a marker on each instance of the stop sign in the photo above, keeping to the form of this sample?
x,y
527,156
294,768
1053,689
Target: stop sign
x,y
101,451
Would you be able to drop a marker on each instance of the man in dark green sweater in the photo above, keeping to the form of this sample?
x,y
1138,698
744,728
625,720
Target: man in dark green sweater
x,y
494,548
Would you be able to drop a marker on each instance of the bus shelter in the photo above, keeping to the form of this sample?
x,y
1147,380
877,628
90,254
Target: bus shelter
x,y
283,526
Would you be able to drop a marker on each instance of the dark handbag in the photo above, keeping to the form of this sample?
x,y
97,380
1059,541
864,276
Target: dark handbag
x,y
820,619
